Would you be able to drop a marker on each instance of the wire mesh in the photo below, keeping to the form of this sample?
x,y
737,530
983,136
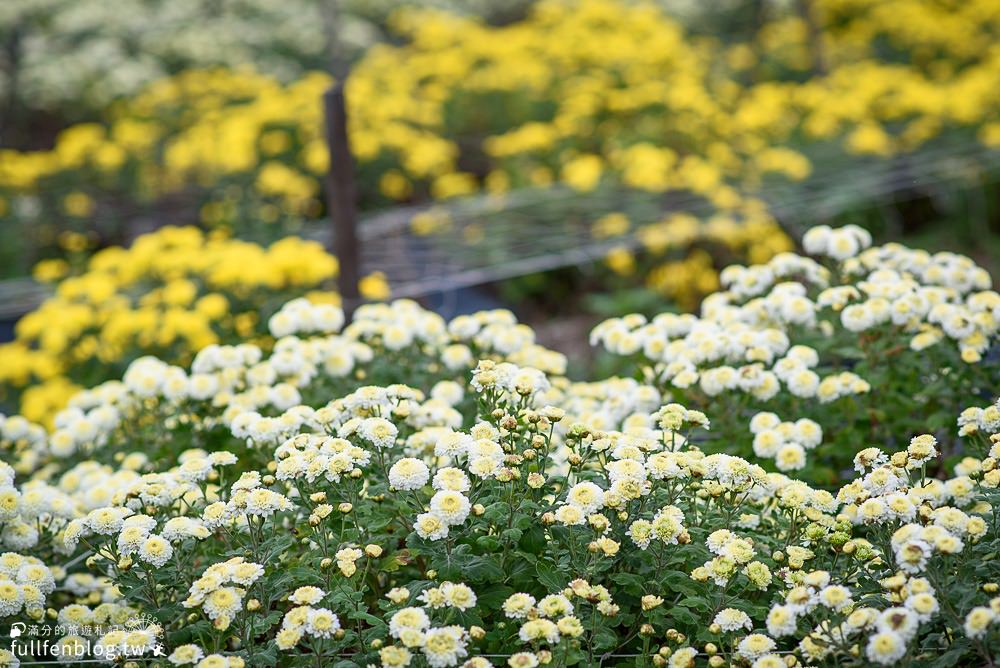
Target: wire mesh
x,y
536,230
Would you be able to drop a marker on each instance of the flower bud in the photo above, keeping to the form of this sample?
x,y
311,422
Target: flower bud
x,y
373,551
649,601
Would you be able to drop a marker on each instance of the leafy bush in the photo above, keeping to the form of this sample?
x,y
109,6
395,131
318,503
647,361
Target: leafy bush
x,y
406,491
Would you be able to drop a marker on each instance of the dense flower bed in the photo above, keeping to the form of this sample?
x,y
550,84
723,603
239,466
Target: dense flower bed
x,y
401,490
592,94
171,293
77,55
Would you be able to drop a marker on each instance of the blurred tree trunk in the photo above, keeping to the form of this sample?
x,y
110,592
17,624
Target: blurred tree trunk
x,y
12,60
336,53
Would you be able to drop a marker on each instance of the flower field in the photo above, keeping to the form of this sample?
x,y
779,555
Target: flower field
x,y
675,340
593,95
803,474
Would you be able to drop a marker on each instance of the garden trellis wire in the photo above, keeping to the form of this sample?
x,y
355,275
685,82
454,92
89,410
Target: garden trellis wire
x,y
537,230
534,230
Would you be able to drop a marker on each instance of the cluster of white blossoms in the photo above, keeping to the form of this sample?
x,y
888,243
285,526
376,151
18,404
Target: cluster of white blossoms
x,y
301,316
975,420
840,244
890,493
25,582
453,468
306,621
245,386
413,629
556,617
783,441
759,321
220,590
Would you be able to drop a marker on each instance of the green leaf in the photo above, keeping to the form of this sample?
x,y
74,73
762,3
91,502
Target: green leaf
x,y
533,540
695,603
683,615
549,577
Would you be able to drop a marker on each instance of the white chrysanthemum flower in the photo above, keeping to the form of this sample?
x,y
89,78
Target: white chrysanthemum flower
x,y
586,496
186,655
379,432
322,623
155,550
458,595
517,606
782,621
444,646
223,602
11,598
452,444
408,619
430,526
539,630
451,478
885,648
755,646
731,619
408,474
978,621
555,605
307,595
451,507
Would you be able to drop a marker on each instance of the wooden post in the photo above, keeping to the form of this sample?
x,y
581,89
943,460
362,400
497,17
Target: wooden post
x,y
341,197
